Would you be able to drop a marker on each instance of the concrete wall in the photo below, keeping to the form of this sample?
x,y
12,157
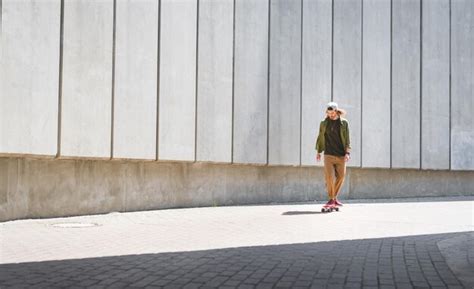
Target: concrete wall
x,y
347,71
177,92
376,76
214,98
284,83
86,92
136,79
251,82
241,81
316,72
29,76
32,188
235,82
406,73
462,80
435,85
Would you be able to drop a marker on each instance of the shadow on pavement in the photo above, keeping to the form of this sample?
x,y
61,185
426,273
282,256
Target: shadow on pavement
x,y
397,262
293,213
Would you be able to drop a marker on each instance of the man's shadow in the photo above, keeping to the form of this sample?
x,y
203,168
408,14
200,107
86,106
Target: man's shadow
x,y
295,213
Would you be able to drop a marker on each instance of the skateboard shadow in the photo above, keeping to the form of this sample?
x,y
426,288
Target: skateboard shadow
x,y
295,213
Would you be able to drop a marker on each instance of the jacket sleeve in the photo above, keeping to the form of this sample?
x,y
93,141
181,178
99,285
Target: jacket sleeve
x,y
319,140
348,138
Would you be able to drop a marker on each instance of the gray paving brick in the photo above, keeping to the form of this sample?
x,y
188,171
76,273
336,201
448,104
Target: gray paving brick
x,y
335,286
370,282
264,286
246,286
251,281
231,283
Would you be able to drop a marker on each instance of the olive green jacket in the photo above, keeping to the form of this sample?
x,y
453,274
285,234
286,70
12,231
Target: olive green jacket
x,y
321,141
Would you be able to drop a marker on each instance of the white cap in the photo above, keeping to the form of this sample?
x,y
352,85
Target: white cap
x,y
332,105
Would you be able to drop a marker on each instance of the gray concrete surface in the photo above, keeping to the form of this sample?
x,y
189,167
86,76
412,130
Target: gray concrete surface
x,y
177,96
44,188
378,183
376,73
406,106
458,252
29,68
285,83
86,110
251,82
435,86
136,76
462,95
431,130
365,245
215,68
347,70
316,73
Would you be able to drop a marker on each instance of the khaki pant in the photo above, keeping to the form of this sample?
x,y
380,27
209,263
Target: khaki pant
x,y
334,171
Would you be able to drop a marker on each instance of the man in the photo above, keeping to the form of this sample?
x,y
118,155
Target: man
x,y
334,141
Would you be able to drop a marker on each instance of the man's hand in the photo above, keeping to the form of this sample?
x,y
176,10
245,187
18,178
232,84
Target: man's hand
x,y
318,157
347,157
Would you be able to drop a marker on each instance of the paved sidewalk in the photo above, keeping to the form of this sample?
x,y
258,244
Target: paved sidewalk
x,y
424,243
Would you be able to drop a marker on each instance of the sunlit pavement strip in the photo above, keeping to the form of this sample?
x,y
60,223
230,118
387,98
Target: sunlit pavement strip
x,y
291,225
225,227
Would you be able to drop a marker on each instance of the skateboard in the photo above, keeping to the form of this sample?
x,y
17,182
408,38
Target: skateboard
x,y
328,209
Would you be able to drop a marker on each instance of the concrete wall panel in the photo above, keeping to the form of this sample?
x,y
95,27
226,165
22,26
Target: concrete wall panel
x,y
251,81
29,77
406,84
87,78
376,84
135,104
253,97
214,102
53,188
347,68
285,83
435,85
177,99
316,73
462,93
408,183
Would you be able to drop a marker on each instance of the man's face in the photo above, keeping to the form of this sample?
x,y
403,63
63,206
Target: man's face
x,y
332,114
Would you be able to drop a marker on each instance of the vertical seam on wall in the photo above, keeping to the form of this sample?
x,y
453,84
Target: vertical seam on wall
x,y
361,77
158,82
332,50
233,85
1,20
450,82
196,87
60,82
421,85
391,83
113,81
301,82
268,81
